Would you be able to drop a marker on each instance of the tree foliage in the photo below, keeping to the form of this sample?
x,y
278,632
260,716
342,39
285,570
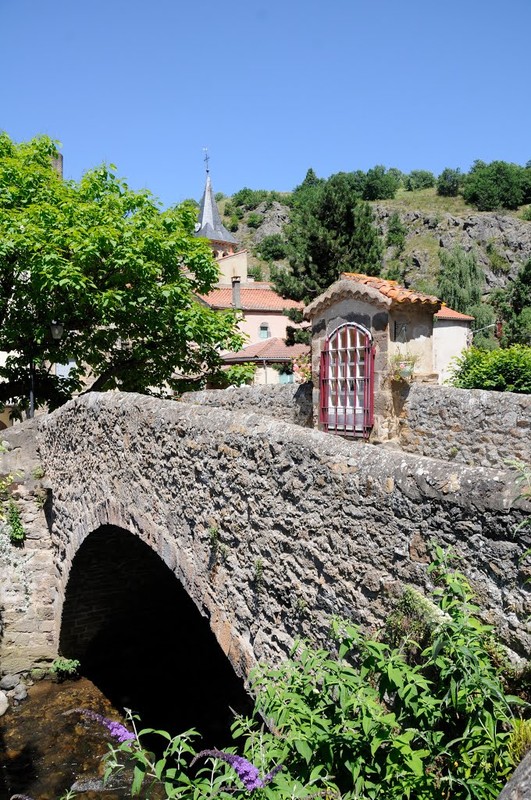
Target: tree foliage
x,y
460,285
514,307
249,199
449,182
460,281
502,370
116,271
331,231
419,179
380,184
495,185
420,712
396,233
272,248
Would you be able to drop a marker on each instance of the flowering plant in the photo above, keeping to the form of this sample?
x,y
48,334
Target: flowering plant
x,y
402,365
302,368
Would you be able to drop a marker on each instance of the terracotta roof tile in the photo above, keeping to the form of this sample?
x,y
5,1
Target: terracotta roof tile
x,y
392,289
274,349
448,313
254,297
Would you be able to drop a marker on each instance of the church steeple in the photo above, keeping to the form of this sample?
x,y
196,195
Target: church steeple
x,y
209,223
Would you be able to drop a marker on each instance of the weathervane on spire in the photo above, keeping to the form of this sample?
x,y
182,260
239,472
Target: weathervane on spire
x,y
207,159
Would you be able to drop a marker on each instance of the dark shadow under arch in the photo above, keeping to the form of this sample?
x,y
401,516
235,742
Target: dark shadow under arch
x,y
142,641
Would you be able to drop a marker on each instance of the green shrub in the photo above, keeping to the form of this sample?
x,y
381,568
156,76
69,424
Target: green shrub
x,y
256,273
396,233
249,199
365,718
254,220
65,669
495,185
498,262
500,370
272,248
380,184
17,532
419,179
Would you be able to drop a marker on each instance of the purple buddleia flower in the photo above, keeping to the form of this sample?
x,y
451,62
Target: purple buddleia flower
x,y
116,729
246,772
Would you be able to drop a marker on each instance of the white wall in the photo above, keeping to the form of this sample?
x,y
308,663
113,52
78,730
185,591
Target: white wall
x,y
450,338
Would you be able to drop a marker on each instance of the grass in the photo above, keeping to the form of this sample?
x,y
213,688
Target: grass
x,y
428,201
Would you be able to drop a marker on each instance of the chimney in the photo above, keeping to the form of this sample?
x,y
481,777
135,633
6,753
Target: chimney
x,y
57,164
236,296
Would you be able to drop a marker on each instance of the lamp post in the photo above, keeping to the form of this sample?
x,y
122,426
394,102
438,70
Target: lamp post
x,y
56,330
31,410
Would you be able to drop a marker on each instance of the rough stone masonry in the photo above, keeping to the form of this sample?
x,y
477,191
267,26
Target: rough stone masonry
x,y
308,524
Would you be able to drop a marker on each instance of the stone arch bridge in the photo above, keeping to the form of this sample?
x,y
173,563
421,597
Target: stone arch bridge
x,y
270,528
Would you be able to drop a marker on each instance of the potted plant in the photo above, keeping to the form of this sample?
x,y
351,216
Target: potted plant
x,y
403,366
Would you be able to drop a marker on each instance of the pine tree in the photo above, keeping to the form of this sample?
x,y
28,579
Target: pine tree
x,y
331,231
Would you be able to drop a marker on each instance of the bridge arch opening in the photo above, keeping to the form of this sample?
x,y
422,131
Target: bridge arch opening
x,y
142,641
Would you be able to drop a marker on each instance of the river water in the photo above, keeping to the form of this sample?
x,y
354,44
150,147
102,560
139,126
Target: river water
x,y
46,746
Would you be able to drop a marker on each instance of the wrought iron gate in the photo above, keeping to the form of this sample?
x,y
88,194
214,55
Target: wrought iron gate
x,y
347,382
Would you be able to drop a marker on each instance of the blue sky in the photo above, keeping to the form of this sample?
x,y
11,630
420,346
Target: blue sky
x,y
271,88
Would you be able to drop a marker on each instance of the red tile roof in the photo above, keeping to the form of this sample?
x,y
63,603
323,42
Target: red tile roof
x,y
392,289
268,350
448,313
253,296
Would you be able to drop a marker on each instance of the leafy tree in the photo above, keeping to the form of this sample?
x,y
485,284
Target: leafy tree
x,y
117,272
460,284
514,307
419,179
398,176
449,182
526,183
331,231
495,185
380,184
460,281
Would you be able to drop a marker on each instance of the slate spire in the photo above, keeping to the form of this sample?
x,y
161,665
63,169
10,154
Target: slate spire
x,y
209,223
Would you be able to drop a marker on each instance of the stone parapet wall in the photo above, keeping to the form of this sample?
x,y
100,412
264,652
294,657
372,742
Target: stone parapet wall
x,y
28,622
289,403
466,426
307,525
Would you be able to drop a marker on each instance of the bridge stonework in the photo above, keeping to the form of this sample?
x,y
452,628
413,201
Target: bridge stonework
x,y
271,528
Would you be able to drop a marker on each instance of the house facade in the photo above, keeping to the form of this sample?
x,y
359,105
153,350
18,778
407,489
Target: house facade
x,y
365,332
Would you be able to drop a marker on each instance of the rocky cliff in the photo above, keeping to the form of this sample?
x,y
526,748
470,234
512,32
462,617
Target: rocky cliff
x,y
501,241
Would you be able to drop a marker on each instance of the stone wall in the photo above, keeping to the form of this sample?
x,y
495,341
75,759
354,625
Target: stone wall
x,y
27,582
289,402
307,525
466,426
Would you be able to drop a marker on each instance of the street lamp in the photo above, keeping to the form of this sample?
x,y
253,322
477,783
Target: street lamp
x,y
56,329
